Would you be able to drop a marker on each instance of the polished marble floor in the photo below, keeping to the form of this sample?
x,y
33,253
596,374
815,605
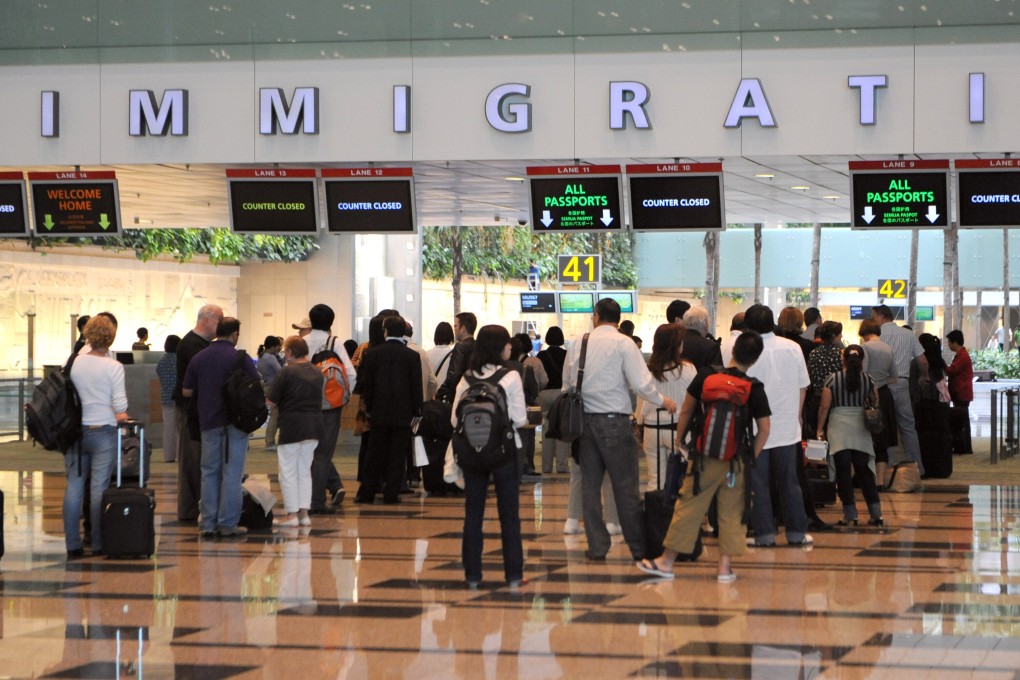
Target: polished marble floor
x,y
376,592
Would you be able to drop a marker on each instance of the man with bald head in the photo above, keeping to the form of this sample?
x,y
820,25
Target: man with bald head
x,y
189,434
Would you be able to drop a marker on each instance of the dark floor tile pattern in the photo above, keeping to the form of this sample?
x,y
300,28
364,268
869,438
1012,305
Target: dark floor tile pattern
x,y
109,670
652,618
747,650
728,670
355,611
101,632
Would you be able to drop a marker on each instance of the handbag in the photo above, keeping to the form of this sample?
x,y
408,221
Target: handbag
x,y
566,414
904,478
435,420
873,420
361,423
816,450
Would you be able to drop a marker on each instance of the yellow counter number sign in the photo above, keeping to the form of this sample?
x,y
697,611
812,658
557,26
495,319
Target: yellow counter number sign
x,y
580,268
895,289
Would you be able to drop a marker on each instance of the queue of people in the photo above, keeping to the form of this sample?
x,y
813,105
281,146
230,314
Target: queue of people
x,y
819,390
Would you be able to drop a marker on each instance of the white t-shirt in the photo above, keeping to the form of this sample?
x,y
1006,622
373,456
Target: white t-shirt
x,y
781,367
100,385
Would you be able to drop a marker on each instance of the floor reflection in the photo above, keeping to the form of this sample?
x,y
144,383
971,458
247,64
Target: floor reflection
x,y
378,593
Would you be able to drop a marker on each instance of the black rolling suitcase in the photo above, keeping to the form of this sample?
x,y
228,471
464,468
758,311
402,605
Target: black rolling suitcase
x,y
659,506
129,513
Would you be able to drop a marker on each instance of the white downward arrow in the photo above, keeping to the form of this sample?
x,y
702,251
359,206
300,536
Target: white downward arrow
x,y
868,214
932,215
546,218
607,218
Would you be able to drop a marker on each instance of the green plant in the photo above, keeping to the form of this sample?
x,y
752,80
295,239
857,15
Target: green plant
x,y
506,252
221,245
1005,364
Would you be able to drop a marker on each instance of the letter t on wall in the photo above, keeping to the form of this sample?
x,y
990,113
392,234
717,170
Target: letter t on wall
x,y
868,84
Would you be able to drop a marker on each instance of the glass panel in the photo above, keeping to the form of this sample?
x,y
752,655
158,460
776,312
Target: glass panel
x,y
129,23
274,21
33,24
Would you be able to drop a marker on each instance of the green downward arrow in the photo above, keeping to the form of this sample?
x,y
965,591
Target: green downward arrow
x,y
48,221
104,221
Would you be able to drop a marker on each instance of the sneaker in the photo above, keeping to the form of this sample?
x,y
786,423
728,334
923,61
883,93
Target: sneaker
x,y
283,523
305,521
613,529
572,527
516,583
233,532
805,542
337,497
207,534
726,578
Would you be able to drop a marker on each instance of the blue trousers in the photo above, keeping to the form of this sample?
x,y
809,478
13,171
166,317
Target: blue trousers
x,y
224,450
777,463
98,459
476,487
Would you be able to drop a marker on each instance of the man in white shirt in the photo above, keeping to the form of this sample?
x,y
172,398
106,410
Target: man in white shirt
x,y
905,348
736,328
324,475
613,368
781,368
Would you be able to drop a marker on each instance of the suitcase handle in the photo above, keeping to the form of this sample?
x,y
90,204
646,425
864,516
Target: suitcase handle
x,y
139,427
672,446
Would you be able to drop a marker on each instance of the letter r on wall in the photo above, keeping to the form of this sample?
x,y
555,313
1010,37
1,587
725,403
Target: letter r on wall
x,y
628,97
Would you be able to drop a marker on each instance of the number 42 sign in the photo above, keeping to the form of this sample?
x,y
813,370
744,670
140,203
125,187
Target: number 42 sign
x,y
894,289
579,269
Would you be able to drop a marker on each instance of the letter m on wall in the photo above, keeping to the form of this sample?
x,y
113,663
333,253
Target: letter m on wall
x,y
276,115
146,117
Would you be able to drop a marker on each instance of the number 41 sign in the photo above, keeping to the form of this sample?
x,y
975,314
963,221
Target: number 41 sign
x,y
579,269
894,289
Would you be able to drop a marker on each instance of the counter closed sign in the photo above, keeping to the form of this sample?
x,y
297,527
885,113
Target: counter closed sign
x,y
273,201
370,200
13,220
677,196
900,194
988,192
75,203
575,198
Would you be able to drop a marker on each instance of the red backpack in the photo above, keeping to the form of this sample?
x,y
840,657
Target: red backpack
x,y
724,427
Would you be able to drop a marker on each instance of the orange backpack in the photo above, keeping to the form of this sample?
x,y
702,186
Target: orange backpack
x,y
336,390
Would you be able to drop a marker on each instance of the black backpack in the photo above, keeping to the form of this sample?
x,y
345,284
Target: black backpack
x,y
483,439
245,400
53,416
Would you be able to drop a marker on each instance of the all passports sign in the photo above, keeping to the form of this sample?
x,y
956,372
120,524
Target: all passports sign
x,y
576,198
900,194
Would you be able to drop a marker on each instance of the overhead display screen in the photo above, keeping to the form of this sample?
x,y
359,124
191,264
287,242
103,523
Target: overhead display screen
x,y
577,303
13,215
988,192
662,200
273,202
538,303
75,203
625,298
575,198
370,200
900,194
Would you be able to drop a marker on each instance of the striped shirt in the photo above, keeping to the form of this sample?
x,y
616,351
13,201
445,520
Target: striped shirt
x,y
841,396
613,368
904,346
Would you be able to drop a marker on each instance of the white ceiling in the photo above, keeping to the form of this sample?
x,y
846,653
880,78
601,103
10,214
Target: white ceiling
x,y
475,193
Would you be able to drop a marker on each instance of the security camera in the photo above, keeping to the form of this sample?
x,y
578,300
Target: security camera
x,y
523,222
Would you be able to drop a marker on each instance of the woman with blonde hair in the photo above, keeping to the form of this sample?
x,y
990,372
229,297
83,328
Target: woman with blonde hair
x,y
99,381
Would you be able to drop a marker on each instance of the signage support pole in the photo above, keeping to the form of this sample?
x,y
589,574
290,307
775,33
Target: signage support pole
x,y
912,280
1007,340
31,344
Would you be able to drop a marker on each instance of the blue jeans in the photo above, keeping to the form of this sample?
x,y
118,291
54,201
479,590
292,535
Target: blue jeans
x,y
98,457
778,463
223,452
508,486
